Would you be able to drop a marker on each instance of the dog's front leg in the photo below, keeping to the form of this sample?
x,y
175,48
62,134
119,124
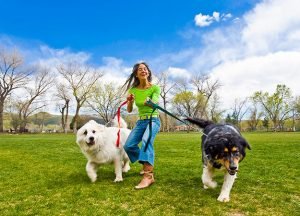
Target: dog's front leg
x,y
226,188
207,177
118,169
91,170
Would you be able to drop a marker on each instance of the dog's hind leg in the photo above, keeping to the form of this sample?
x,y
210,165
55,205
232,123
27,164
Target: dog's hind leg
x,y
226,188
126,166
207,177
118,169
91,170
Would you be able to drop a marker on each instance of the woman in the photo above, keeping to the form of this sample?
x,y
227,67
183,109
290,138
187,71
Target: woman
x,y
140,88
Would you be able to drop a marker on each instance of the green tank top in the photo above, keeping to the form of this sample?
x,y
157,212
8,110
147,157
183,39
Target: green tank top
x,y
141,95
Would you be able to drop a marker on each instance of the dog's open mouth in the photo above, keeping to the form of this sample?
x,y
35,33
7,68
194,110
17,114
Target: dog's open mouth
x,y
90,143
232,172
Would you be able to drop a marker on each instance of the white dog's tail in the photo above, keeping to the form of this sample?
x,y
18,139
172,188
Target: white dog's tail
x,y
114,122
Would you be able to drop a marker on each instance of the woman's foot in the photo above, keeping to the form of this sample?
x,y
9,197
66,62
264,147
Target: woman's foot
x,y
148,176
148,179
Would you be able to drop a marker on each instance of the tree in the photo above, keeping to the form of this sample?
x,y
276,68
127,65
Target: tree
x,y
13,75
166,86
254,118
215,112
64,97
186,103
228,119
276,106
42,81
265,123
295,111
39,119
239,111
105,100
80,80
207,88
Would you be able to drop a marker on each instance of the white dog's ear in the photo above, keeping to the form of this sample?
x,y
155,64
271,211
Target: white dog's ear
x,y
97,126
81,130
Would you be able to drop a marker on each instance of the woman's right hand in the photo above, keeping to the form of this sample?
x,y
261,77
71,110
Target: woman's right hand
x,y
130,98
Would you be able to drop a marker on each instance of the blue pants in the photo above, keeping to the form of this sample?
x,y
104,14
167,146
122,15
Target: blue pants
x,y
141,133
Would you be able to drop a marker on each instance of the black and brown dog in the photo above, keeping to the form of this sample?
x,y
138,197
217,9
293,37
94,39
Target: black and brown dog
x,y
222,146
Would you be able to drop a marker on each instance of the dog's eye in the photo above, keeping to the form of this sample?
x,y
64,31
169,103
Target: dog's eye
x,y
85,133
94,131
236,153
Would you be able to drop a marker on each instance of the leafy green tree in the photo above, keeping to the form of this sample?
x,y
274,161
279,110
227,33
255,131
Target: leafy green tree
x,y
277,106
187,103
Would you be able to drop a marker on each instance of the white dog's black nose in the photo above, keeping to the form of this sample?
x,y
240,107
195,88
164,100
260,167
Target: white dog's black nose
x,y
91,139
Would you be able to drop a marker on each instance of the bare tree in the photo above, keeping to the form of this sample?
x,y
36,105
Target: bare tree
x,y
215,111
81,80
12,76
166,86
42,80
239,110
63,95
105,100
206,87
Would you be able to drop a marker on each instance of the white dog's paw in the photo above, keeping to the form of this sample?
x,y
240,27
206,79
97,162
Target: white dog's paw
x,y
223,198
93,179
92,176
126,169
118,179
210,184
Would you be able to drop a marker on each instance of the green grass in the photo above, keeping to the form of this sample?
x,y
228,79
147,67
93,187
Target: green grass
x,y
45,175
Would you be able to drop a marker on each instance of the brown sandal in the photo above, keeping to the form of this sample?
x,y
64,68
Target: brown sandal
x,y
148,179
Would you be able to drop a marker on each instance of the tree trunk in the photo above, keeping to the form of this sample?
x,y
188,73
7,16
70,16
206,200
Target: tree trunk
x,y
66,117
1,116
63,123
76,119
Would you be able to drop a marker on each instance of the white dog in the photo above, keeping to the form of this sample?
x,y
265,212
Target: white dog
x,y
98,144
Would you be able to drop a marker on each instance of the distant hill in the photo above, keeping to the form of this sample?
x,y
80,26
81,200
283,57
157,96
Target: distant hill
x,y
48,119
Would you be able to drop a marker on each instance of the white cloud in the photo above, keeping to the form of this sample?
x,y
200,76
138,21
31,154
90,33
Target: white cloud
x,y
178,73
242,78
216,16
256,53
270,24
114,70
202,20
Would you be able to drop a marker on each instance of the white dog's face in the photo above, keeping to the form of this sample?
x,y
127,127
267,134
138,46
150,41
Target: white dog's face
x,y
88,134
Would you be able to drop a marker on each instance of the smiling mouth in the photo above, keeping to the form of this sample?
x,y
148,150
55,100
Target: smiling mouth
x,y
90,143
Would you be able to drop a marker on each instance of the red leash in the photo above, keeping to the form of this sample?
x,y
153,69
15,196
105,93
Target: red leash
x,y
119,116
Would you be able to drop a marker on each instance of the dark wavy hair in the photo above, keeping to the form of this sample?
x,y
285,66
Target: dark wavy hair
x,y
133,81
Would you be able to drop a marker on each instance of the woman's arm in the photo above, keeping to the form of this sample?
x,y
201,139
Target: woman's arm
x,y
130,99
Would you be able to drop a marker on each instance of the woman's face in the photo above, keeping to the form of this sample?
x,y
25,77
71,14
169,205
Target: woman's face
x,y
142,72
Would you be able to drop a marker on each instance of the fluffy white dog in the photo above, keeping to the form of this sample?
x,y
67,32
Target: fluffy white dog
x,y
98,144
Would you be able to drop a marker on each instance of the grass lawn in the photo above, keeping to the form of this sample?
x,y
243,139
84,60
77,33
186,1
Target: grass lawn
x,y
45,175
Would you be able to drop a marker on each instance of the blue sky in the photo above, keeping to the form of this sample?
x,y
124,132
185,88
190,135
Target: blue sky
x,y
131,30
248,45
